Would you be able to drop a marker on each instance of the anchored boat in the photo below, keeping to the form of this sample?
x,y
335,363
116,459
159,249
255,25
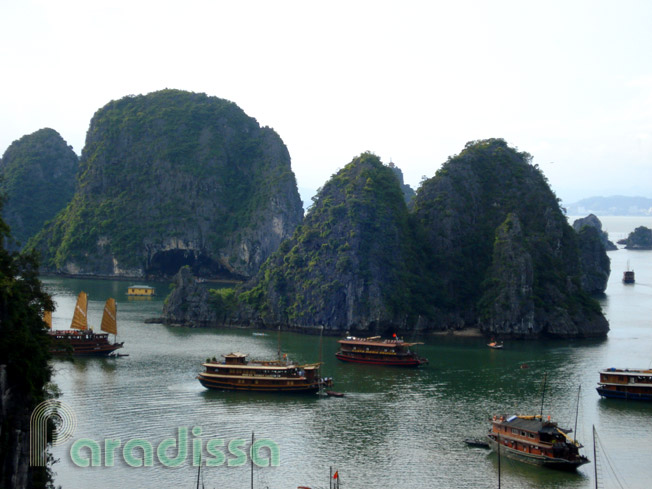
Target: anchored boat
x,y
535,441
631,384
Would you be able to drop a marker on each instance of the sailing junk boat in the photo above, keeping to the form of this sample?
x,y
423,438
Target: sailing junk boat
x,y
80,340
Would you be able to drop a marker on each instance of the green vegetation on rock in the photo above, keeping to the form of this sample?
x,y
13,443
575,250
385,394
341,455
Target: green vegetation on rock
x,y
354,262
485,245
173,178
37,177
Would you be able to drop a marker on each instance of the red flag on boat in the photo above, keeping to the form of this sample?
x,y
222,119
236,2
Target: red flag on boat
x,y
394,335
335,475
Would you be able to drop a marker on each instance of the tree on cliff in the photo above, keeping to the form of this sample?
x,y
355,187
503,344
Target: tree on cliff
x,y
24,370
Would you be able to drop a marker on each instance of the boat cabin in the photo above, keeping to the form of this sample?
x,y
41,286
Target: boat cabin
x,y
141,290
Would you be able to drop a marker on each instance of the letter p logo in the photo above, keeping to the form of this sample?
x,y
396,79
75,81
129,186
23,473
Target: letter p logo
x,y
64,420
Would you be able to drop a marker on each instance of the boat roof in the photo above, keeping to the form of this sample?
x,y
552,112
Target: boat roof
x,y
236,354
375,342
260,366
141,287
535,425
627,371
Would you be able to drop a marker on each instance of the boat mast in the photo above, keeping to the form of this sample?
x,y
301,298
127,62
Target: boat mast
x,y
577,410
595,460
498,460
543,392
278,340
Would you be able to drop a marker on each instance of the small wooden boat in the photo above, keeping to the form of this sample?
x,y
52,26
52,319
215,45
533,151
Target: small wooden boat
x,y
474,442
334,394
495,345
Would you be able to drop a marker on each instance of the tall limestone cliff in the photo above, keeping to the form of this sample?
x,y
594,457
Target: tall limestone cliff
x,y
174,178
507,257
353,263
593,245
486,245
37,179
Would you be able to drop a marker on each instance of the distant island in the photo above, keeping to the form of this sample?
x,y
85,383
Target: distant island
x,y
616,205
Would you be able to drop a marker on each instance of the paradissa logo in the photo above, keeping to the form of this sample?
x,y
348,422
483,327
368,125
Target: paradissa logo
x,y
138,452
173,452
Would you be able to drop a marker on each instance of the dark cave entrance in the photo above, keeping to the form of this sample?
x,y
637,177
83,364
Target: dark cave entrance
x,y
166,264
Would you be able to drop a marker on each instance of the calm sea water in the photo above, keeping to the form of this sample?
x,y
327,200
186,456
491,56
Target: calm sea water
x,y
395,428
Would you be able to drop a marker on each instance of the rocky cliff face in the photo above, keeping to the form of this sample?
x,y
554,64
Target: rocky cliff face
x,y
640,239
593,221
507,258
175,178
37,178
486,246
593,244
351,264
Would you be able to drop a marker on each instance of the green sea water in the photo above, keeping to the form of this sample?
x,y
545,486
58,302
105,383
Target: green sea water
x,y
395,427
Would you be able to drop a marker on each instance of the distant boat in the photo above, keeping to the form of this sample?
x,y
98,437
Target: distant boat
x,y
81,340
141,291
628,275
630,384
495,345
374,351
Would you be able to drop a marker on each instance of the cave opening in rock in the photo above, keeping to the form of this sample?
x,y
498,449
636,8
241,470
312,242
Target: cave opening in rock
x,y
167,263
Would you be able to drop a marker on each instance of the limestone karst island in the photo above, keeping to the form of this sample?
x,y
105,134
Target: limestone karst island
x,y
187,192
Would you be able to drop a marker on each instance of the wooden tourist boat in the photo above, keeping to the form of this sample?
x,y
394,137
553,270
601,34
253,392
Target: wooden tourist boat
x,y
235,373
81,340
630,384
375,351
532,440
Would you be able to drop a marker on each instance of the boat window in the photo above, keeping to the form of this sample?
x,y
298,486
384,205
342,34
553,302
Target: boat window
x,y
515,431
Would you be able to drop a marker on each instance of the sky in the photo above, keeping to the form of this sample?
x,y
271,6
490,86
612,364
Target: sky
x,y
570,81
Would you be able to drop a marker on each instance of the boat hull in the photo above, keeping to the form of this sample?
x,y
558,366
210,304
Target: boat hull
x,y
409,362
229,385
89,347
629,396
534,459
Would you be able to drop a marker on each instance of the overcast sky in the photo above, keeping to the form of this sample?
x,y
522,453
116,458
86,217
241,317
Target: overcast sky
x,y
568,81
